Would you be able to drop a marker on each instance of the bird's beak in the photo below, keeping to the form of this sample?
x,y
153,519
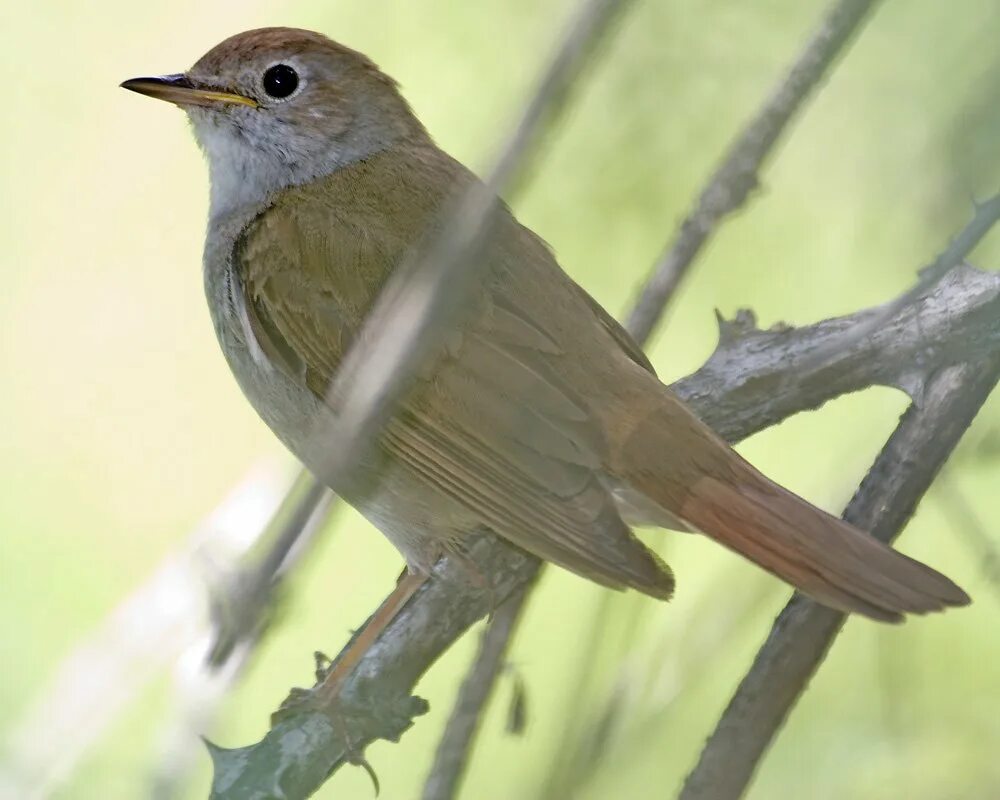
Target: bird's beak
x,y
179,89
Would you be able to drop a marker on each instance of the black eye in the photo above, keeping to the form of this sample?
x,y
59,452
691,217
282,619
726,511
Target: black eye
x,y
280,80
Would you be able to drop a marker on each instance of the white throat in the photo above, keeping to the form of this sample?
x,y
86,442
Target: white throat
x,y
252,160
242,173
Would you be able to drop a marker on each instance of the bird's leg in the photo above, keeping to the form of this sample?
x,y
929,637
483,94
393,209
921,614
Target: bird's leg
x,y
466,564
326,693
325,697
330,676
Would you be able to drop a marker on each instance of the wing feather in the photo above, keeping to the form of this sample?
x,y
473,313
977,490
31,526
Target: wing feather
x,y
493,425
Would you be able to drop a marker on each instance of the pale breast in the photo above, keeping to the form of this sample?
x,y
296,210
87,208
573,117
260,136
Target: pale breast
x,y
416,518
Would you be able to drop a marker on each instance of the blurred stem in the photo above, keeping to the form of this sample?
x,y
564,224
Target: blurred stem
x,y
697,660
737,175
590,23
971,528
241,604
804,631
425,296
452,755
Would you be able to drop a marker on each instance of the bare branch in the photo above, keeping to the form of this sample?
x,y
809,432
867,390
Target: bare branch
x,y
453,750
804,631
302,750
901,353
737,176
750,382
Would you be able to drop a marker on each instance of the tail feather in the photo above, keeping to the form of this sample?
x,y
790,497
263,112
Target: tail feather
x,y
664,453
821,555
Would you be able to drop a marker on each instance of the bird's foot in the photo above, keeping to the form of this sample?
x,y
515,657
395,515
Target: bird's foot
x,y
470,570
325,698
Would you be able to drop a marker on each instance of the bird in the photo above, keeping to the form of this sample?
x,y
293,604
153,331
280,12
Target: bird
x,y
539,419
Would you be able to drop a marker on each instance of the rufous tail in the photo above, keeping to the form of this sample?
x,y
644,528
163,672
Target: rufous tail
x,y
681,465
819,554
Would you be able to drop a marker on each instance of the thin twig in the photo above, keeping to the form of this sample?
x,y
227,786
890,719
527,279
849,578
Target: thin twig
x,y
451,756
423,299
241,601
968,524
737,175
985,217
804,631
956,320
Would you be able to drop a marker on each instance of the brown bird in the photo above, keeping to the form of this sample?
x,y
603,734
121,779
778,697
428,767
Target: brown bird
x,y
541,419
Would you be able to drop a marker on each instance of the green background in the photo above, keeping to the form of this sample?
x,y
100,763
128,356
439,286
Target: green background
x,y
123,426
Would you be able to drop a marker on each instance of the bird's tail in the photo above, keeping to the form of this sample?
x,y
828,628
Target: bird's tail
x,y
821,555
668,455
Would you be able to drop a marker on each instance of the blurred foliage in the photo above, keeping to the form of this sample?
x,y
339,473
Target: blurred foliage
x,y
124,426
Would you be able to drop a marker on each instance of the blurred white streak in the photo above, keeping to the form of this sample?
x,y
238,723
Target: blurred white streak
x,y
207,669
164,621
198,692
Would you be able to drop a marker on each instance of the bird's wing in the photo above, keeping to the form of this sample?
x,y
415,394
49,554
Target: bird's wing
x,y
492,425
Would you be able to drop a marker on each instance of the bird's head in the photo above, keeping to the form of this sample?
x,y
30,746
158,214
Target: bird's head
x,y
279,107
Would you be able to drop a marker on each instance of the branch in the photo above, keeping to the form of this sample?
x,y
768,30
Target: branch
x,y
737,176
901,353
750,382
805,630
451,756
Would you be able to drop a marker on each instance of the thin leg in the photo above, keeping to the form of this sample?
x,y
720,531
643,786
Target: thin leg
x,y
461,559
408,584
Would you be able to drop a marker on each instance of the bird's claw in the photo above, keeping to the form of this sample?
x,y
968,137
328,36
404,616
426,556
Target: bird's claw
x,y
301,701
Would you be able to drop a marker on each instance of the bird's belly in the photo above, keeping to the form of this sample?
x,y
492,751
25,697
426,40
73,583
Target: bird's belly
x,y
415,517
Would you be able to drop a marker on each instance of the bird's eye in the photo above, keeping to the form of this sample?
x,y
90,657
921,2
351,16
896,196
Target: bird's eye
x,y
280,80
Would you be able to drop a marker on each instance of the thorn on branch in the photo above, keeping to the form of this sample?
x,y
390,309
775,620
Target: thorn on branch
x,y
517,712
737,174
323,664
740,326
